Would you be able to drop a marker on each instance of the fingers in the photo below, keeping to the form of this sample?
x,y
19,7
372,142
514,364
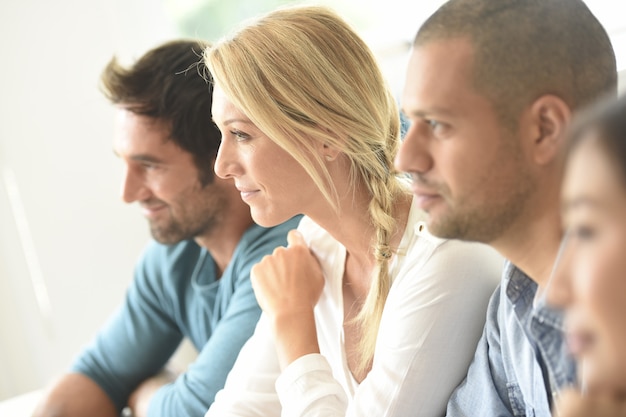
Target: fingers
x,y
295,238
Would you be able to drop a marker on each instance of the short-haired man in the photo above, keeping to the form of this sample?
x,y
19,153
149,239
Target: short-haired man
x,y
490,88
194,280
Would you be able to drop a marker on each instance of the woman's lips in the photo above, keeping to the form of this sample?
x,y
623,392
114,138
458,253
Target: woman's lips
x,y
247,193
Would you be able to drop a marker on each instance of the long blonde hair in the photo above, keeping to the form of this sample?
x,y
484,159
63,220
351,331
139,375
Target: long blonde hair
x,y
304,77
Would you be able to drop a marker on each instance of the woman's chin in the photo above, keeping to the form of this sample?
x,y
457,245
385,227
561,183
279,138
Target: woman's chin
x,y
265,220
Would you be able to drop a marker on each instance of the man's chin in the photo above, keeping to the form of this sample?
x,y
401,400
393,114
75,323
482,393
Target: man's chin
x,y
165,240
443,228
166,237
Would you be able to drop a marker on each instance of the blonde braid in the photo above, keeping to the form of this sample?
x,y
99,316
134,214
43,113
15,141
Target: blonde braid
x,y
385,190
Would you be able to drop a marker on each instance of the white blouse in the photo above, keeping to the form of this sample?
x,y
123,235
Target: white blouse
x,y
431,323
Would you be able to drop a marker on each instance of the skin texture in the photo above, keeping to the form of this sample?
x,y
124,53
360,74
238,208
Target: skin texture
x,y
83,397
276,187
589,280
164,180
477,179
572,404
139,400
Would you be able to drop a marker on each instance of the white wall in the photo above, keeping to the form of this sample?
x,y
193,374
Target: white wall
x,y
55,131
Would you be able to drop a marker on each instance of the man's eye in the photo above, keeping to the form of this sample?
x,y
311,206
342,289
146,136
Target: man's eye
x,y
440,130
432,123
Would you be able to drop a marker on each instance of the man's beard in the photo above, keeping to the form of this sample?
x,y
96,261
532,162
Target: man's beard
x,y
204,216
176,232
483,223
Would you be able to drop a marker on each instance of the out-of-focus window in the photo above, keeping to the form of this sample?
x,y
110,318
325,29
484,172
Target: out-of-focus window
x,y
388,26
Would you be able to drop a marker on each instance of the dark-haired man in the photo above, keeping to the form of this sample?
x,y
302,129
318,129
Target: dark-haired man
x,y
193,280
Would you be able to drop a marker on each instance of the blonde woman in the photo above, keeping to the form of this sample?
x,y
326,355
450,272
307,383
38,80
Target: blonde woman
x,y
365,313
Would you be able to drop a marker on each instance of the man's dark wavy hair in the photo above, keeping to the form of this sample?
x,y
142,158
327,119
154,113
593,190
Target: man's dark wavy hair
x,y
169,83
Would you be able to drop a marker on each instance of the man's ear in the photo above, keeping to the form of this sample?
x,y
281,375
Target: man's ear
x,y
549,116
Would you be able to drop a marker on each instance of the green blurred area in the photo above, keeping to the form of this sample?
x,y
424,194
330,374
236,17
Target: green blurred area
x,y
211,19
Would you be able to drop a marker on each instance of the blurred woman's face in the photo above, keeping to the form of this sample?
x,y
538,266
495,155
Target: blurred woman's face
x,y
591,278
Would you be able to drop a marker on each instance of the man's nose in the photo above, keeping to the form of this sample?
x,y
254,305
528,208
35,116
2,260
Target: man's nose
x,y
414,155
133,187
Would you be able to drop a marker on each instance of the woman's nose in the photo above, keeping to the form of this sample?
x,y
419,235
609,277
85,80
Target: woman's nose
x,y
226,165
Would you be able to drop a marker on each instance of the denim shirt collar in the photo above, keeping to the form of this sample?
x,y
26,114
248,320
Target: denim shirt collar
x,y
544,326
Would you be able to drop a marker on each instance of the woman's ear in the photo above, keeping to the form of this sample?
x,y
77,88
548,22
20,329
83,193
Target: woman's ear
x,y
329,152
550,116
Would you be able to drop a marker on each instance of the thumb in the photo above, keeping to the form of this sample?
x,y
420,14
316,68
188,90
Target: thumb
x,y
295,238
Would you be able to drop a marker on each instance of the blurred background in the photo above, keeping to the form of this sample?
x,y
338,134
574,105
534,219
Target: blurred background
x,y
67,243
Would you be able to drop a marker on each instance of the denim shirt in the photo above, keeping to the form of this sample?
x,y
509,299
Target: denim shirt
x,y
521,358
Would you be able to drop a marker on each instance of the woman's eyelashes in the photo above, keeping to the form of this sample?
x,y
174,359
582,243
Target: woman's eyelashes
x,y
239,135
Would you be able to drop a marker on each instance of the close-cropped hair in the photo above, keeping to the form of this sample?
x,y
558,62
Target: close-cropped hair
x,y
524,49
305,78
604,123
168,83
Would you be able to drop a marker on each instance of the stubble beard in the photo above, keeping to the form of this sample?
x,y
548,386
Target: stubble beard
x,y
490,220
175,232
185,225
474,226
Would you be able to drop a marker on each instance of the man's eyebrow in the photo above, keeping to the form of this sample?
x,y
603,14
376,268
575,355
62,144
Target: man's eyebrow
x,y
146,158
142,158
425,114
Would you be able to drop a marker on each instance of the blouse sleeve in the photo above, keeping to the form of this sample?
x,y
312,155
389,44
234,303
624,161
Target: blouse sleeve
x,y
249,390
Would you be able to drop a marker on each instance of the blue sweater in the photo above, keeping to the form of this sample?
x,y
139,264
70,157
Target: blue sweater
x,y
175,294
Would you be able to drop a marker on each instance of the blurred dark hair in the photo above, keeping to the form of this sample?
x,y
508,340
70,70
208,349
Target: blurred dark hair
x,y
605,123
170,83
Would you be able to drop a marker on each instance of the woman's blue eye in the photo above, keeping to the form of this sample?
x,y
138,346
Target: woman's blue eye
x,y
239,134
